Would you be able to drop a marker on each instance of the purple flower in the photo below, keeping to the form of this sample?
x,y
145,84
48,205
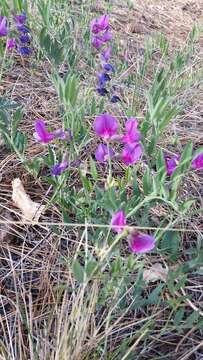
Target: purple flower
x,y
20,19
102,153
197,162
103,78
41,134
115,99
171,164
59,168
97,42
132,134
24,29
11,43
106,37
141,243
24,39
106,126
3,26
131,153
106,53
99,24
102,91
109,68
24,50
118,221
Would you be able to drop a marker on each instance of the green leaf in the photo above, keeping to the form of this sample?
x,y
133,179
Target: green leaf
x,y
78,271
147,182
179,316
170,242
90,267
93,169
154,296
192,319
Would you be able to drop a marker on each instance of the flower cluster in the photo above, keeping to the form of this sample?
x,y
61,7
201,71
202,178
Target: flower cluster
x,y
138,242
106,126
44,136
172,163
100,29
22,41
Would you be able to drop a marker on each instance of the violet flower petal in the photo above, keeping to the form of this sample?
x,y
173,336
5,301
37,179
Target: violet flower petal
x,y
108,68
131,153
11,43
99,24
59,168
141,243
106,53
106,126
3,26
171,164
102,91
118,219
41,134
132,133
197,162
102,153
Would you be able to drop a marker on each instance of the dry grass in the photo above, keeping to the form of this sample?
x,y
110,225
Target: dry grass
x,y
44,313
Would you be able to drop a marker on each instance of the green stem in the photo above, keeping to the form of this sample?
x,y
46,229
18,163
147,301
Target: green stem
x,y
147,199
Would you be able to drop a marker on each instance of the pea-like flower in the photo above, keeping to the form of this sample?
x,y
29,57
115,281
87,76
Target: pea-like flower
x,y
41,133
171,164
141,243
106,53
99,24
197,162
106,126
102,91
59,168
11,44
103,79
132,133
108,67
103,152
24,50
118,221
114,99
20,19
3,26
131,153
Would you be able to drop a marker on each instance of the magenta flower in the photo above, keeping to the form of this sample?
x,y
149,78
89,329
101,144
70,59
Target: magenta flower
x,y
171,164
20,19
3,26
41,133
106,37
141,243
106,53
59,168
99,24
11,43
197,162
118,221
106,126
132,133
131,153
102,153
97,42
